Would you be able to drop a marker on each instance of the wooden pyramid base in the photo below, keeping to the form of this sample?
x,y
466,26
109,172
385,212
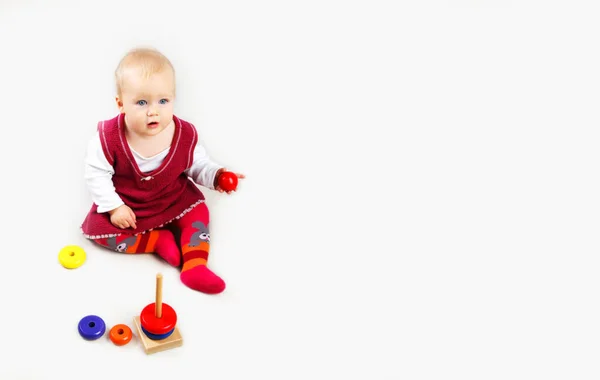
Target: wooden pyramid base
x,y
153,346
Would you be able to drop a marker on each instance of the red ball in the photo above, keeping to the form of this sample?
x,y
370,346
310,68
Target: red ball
x,y
228,181
161,325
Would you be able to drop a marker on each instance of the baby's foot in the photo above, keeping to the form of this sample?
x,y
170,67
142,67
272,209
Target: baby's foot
x,y
202,279
166,247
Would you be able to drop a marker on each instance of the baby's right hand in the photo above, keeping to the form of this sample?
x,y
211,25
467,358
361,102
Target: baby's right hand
x,y
122,217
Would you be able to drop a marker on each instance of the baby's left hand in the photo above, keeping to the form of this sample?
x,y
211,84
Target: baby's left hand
x,y
221,190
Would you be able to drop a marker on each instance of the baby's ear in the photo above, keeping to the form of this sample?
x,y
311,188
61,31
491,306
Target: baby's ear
x,y
119,103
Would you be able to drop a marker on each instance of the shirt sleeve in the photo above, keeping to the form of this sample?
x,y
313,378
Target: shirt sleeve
x,y
203,169
98,177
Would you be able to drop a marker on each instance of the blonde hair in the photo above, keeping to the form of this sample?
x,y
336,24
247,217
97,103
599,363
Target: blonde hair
x,y
146,61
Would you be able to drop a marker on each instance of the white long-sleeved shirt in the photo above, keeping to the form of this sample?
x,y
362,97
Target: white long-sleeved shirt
x,y
99,172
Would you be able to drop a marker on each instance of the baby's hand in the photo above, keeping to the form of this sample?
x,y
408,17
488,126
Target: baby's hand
x,y
122,217
219,188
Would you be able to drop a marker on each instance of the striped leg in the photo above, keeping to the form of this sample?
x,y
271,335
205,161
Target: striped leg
x,y
195,246
159,241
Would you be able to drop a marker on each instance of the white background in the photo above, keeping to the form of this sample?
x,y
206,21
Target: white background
x,y
421,201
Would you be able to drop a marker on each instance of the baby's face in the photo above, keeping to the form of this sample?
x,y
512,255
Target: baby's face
x,y
147,103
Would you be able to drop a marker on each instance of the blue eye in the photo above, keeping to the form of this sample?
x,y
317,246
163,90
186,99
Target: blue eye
x,y
141,103
163,101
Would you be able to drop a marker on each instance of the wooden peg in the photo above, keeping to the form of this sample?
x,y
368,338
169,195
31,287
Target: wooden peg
x,y
158,303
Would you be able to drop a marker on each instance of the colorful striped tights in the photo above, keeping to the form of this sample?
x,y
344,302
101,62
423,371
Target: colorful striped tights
x,y
194,239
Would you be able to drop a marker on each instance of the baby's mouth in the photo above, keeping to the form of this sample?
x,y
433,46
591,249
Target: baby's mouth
x,y
153,124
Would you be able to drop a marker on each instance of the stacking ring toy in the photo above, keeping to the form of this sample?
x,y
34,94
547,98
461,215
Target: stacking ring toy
x,y
91,327
71,256
161,324
156,324
120,334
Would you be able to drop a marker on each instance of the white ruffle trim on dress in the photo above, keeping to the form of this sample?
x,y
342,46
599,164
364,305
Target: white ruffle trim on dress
x,y
143,232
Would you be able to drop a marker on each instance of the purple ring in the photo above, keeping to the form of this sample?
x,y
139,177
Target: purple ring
x,y
91,327
157,336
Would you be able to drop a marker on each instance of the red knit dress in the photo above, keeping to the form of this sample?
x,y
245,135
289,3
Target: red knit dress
x,y
157,197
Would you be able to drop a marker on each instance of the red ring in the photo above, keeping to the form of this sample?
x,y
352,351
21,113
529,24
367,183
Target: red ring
x,y
161,325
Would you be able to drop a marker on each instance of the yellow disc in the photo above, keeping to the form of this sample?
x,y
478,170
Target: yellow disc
x,y
71,256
